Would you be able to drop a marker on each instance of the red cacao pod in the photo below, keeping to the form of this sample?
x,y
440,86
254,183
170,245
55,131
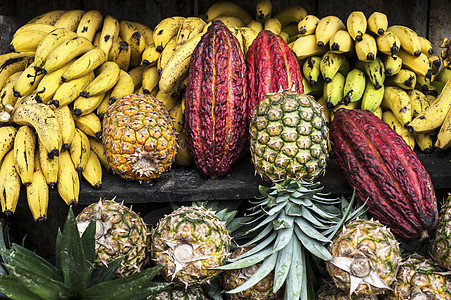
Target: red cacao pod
x,y
271,67
384,170
216,117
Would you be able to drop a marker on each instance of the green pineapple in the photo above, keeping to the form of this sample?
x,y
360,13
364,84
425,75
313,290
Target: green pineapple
x,y
289,137
442,243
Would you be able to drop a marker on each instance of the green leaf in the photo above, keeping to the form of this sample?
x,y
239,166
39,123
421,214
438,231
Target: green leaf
x,y
313,246
275,209
284,236
283,221
322,213
309,230
268,229
293,210
73,260
105,273
282,266
135,286
267,220
237,223
248,261
265,268
14,289
88,241
261,245
307,214
295,278
263,190
303,202
57,249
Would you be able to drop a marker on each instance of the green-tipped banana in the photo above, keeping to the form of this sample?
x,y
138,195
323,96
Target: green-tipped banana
x,y
311,70
405,79
331,63
333,90
372,97
354,86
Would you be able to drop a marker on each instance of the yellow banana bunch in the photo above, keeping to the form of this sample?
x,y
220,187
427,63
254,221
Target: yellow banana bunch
x,y
183,157
27,41
331,63
248,35
84,64
11,66
49,84
7,134
49,166
137,75
38,192
389,118
166,54
354,86
419,64
397,100
97,148
92,171
436,63
68,185
372,97
89,24
225,8
70,19
7,97
109,33
254,25
273,25
70,90
150,79
49,17
375,71
388,43
333,90
9,184
24,149
129,33
356,24
307,25
189,28
291,14
120,53
366,49
306,46
231,21
426,46
410,41
27,81
169,99
446,53
426,141
377,23
83,106
326,28
165,31
108,75
418,100
34,27
124,86
150,56
341,42
263,10
50,43
311,70
146,31
392,64
90,124
405,79
80,150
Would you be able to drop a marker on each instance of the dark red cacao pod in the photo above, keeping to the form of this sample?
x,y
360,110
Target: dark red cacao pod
x,y
271,67
216,117
382,168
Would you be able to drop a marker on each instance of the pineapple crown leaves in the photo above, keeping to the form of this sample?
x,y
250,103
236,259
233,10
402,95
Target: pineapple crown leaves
x,y
32,277
294,219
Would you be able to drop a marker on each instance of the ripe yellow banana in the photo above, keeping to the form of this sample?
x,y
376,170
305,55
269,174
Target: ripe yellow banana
x,y
290,14
7,97
38,27
311,70
183,157
333,90
410,41
165,31
426,141
405,79
436,63
419,102
49,84
189,28
341,42
7,134
377,23
97,148
150,79
27,81
68,180
50,43
444,135
146,31
166,54
306,46
308,24
378,112
89,24
231,21
24,149
331,63
226,8
248,36
354,86
327,26
38,192
314,90
83,106
108,76
168,99
366,49
80,150
388,43
150,56
137,75
103,106
120,53
389,117
65,53
397,100
27,41
375,71
446,53
109,33
124,86
49,17
177,116
84,64
254,25
70,90
129,33
90,124
92,171
372,97
42,118
9,184
263,10
291,29
356,24
419,64
273,25
49,166
70,19
426,46
392,64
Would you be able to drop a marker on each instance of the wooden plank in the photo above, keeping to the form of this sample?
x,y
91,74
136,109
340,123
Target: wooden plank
x,y
8,26
8,8
439,23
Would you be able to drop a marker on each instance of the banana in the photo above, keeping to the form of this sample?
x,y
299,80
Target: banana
x,y
444,135
150,56
137,75
27,81
70,90
392,64
419,64
50,43
430,98
354,86
166,54
426,141
178,65
426,46
444,75
129,33
333,90
230,21
65,53
372,97
423,83
263,10
389,118
433,116
311,70
84,64
290,14
49,84
307,25
92,171
254,25
108,75
89,124
103,106
146,31
150,79
83,106
9,184
331,63
375,70
38,193
80,150
306,46
7,134
49,166
7,98
70,19
285,36
49,17
273,25
397,100
377,23
177,113
12,56
27,41
388,43
226,8
341,42
418,100
189,28
378,112
356,24
314,90
410,41
324,108
109,33
446,53
120,53
124,86
28,99
68,185
24,148
165,31
89,24
326,28
183,157
405,79
168,99
248,36
366,49
97,148
436,63
291,29
38,27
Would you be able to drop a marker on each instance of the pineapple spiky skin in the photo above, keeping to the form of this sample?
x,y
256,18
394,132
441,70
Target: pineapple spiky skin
x,y
189,243
420,278
263,290
289,137
329,291
374,256
192,293
120,232
441,247
139,137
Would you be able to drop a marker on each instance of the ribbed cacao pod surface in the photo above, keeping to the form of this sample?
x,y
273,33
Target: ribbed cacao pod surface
x,y
271,67
216,119
385,172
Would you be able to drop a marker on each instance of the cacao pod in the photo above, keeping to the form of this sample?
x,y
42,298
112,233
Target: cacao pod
x,y
216,119
385,172
271,67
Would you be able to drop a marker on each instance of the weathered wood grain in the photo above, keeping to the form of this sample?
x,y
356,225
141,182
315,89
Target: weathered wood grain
x,y
439,23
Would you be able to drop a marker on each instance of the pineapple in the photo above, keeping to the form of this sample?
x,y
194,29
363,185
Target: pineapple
x,y
234,278
190,243
329,291
420,278
180,293
442,243
366,257
120,232
289,137
139,137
